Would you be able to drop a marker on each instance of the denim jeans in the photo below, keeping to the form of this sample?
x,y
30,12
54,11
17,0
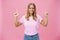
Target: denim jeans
x,y
32,37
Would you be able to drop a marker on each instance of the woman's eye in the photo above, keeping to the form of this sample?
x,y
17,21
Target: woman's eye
x,y
32,8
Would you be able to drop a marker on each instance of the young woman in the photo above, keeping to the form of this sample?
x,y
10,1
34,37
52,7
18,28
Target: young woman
x,y
31,21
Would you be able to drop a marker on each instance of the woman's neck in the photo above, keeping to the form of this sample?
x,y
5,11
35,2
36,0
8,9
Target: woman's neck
x,y
30,14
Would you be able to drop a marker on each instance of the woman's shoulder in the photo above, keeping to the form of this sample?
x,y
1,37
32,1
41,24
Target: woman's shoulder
x,y
38,15
23,15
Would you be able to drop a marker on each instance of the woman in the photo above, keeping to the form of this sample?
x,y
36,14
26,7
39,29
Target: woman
x,y
30,21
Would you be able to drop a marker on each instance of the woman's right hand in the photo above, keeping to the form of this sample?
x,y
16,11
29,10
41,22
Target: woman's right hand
x,y
16,14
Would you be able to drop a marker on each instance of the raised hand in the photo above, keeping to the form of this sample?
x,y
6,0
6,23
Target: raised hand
x,y
46,14
16,14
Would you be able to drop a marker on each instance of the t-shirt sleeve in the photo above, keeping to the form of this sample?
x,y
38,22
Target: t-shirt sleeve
x,y
21,19
40,18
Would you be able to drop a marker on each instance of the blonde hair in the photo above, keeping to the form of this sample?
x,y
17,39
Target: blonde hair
x,y
34,14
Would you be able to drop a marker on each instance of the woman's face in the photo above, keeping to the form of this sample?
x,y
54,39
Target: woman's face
x,y
31,9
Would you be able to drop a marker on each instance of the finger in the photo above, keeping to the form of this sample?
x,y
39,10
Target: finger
x,y
16,12
46,13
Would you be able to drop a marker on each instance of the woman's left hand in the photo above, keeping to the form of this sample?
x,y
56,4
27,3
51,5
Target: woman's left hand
x,y
46,14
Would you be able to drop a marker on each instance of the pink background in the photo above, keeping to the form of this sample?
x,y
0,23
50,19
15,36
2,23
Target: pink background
x,y
8,31
0,19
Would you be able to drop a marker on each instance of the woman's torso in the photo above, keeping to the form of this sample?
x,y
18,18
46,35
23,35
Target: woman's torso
x,y
31,26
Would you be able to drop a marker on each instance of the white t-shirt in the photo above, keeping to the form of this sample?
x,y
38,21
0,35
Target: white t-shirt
x,y
31,25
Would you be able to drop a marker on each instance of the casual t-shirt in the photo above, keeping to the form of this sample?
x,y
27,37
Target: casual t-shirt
x,y
31,25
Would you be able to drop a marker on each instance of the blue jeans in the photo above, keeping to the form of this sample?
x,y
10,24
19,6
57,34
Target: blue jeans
x,y
32,37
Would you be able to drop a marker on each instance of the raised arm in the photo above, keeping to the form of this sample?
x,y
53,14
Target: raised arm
x,y
45,21
17,22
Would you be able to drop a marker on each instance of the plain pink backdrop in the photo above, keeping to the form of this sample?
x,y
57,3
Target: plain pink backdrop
x,y
8,30
0,19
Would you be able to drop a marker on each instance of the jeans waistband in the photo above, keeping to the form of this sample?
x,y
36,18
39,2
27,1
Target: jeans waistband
x,y
31,35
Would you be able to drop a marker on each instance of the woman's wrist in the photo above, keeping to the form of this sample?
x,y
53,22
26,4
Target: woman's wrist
x,y
16,19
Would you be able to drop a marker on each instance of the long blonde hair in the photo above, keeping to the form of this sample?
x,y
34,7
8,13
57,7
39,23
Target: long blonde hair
x,y
34,14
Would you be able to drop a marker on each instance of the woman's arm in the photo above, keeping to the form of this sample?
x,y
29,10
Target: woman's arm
x,y
17,23
45,21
